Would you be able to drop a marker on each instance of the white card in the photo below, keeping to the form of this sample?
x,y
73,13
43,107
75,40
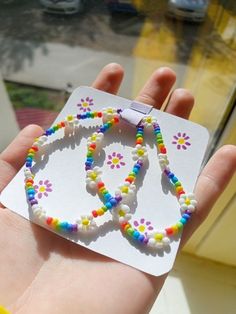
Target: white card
x,y
62,174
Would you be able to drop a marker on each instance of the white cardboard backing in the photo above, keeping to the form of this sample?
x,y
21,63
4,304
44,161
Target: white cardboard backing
x,y
63,168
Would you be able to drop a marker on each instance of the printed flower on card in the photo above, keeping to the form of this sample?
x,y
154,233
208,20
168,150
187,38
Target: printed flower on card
x,y
43,188
143,226
85,104
115,160
181,140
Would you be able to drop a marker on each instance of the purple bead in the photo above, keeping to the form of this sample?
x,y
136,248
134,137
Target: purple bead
x,y
188,212
118,198
167,172
145,240
74,228
33,202
140,162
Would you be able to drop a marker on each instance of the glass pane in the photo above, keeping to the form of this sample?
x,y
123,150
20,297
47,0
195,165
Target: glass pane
x,y
49,47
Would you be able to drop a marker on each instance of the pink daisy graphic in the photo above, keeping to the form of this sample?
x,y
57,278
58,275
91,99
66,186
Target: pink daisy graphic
x,y
43,188
115,160
181,140
85,104
143,226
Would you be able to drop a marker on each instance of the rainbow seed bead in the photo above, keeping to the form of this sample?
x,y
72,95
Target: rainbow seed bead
x,y
158,240
70,121
111,201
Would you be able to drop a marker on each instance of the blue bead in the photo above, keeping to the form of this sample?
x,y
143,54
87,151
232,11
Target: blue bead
x,y
65,225
107,197
108,205
113,201
175,179
183,220
141,237
70,227
136,234
186,216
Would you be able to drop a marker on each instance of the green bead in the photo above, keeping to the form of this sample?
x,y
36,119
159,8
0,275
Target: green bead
x,y
130,231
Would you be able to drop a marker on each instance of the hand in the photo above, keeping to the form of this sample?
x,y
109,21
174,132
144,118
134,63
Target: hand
x,y
43,273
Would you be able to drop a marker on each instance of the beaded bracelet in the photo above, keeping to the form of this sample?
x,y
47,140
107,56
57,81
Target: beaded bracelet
x,y
114,204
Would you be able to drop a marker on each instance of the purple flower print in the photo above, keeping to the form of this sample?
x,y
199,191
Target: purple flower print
x,y
43,188
181,140
115,160
143,226
85,104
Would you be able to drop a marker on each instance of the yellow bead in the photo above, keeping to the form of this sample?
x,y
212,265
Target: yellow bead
x,y
55,222
158,236
175,228
69,118
100,212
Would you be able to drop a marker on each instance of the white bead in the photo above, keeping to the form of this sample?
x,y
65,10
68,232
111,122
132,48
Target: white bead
x,y
191,208
92,184
166,241
159,245
151,242
125,208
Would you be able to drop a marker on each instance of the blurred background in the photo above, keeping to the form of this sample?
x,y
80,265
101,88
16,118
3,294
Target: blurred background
x,y
49,47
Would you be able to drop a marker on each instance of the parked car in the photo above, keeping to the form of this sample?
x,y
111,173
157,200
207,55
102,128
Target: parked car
x,y
191,10
125,6
62,6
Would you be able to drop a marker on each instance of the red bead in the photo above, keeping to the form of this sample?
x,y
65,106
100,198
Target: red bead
x,y
116,120
124,224
130,180
99,114
93,146
181,192
169,231
30,180
163,150
100,185
49,220
35,148
94,213
63,124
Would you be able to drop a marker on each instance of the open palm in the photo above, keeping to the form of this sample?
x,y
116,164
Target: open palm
x,y
41,272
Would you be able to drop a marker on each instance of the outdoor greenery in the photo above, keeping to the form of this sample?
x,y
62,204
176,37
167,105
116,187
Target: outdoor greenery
x,y
23,96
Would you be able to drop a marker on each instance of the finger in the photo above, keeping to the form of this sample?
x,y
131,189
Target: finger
x,y
211,183
109,79
157,87
12,158
181,103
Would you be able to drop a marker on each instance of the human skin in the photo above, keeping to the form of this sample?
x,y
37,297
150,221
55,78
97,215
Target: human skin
x,y
41,272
